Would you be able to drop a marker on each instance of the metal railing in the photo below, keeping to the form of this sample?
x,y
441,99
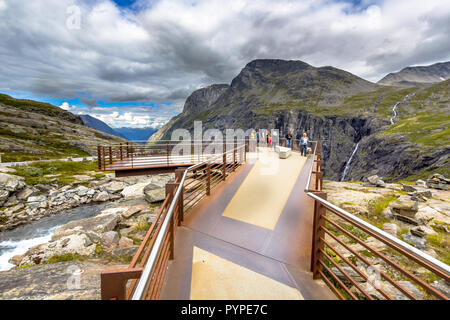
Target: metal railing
x,y
353,274
148,266
130,155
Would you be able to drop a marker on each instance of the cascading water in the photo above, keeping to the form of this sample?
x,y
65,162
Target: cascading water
x,y
19,240
394,109
347,165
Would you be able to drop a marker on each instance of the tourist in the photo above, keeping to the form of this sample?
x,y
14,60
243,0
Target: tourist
x,y
288,139
304,141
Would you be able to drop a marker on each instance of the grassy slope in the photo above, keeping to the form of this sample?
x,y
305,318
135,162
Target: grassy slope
x,y
31,130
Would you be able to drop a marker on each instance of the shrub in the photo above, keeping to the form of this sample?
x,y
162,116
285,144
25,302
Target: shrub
x,y
33,171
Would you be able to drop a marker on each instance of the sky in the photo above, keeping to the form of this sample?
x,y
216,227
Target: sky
x,y
133,63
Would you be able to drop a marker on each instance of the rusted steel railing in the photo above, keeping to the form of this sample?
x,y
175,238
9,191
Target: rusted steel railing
x,y
353,274
160,153
147,268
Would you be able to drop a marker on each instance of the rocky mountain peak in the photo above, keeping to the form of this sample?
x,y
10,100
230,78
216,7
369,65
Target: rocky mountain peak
x,y
203,98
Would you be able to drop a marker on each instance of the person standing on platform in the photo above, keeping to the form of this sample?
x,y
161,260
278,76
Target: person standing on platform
x,y
304,141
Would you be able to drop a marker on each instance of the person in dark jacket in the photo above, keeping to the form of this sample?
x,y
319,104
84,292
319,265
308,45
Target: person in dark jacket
x,y
288,139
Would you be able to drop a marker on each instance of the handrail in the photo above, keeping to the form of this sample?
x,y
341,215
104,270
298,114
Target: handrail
x,y
139,291
318,253
422,255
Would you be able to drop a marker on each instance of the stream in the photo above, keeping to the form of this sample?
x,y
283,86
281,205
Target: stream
x,y
19,240
347,165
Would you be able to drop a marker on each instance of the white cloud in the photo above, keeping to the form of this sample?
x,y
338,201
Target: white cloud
x,y
167,49
66,106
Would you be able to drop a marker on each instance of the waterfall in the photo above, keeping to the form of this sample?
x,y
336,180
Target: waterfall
x,y
394,112
394,109
347,165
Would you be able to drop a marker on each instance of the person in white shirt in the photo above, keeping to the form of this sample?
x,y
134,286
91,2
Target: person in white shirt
x,y
304,141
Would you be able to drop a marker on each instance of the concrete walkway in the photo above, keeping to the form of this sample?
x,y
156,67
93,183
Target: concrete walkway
x,y
251,239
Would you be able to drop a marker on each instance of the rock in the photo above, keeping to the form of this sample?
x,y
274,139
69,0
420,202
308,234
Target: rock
x,y
376,244
420,183
411,288
373,179
438,181
43,188
390,228
7,170
101,197
83,178
154,193
408,188
422,231
131,212
26,193
37,199
134,191
126,231
125,242
380,183
418,242
115,186
16,260
4,194
351,272
110,239
405,208
81,191
442,286
99,224
12,201
125,252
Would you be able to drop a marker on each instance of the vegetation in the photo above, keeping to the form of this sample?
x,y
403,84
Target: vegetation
x,y
63,258
64,170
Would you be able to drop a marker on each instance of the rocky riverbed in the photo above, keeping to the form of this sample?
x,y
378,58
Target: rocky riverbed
x,y
417,213
92,223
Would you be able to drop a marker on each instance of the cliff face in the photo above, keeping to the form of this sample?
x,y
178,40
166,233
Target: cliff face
x,y
337,108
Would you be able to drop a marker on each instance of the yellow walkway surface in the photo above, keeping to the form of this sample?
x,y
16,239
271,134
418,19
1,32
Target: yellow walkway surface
x,y
264,193
216,278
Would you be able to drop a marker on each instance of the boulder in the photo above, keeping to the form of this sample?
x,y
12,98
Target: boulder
x,y
418,242
125,242
134,191
11,202
36,199
408,188
390,228
110,239
81,191
376,244
125,252
101,197
438,181
284,153
114,186
380,183
98,224
421,183
405,208
351,272
131,211
4,194
442,286
373,179
26,193
154,193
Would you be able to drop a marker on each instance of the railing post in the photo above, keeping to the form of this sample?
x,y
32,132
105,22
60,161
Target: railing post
x,y
167,153
110,155
208,179
178,176
121,152
317,244
224,169
170,191
128,151
113,282
99,157
234,159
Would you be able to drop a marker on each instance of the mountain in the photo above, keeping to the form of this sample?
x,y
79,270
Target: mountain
x,y
413,76
337,108
30,130
136,134
99,125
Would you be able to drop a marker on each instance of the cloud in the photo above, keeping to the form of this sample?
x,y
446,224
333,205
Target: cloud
x,y
160,51
66,106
